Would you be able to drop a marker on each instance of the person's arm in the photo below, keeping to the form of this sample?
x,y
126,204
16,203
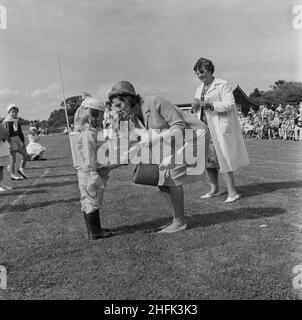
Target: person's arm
x,y
170,114
3,133
20,133
228,101
9,126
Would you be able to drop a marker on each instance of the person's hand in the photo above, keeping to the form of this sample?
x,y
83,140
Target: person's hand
x,y
195,105
207,106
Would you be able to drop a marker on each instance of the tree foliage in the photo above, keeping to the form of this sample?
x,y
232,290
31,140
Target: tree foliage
x,y
284,92
57,117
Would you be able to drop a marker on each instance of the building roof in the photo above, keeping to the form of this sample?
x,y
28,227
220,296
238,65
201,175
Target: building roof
x,y
240,91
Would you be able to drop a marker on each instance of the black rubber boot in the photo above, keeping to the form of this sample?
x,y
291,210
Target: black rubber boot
x,y
87,225
93,224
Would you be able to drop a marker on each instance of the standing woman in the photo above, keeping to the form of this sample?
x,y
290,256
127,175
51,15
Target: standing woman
x,y
16,142
214,101
158,113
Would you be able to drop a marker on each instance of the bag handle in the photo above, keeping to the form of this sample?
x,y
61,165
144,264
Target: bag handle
x,y
140,123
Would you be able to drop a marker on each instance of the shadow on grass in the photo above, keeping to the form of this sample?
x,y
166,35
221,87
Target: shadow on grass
x,y
254,189
49,167
54,184
14,192
62,175
50,184
205,220
38,205
53,159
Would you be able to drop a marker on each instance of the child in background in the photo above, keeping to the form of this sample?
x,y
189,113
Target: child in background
x,y
298,128
4,156
248,127
284,126
275,123
257,127
34,149
266,130
291,127
110,122
16,142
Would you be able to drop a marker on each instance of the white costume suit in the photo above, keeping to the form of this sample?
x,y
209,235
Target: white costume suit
x,y
84,150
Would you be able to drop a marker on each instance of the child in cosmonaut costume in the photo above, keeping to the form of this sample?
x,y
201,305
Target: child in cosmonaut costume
x,y
92,176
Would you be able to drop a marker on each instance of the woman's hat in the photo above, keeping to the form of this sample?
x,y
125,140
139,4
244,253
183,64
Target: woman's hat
x,y
121,88
10,107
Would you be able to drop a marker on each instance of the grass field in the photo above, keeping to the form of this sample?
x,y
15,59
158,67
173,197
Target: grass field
x,y
245,250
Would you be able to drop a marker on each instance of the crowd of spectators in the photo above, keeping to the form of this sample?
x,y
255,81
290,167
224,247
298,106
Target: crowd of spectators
x,y
271,122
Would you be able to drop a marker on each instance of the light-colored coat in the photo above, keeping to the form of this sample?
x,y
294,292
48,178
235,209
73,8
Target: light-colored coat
x,y
159,113
224,125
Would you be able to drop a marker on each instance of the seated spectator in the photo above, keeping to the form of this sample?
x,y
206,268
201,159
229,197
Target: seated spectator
x,y
248,127
252,112
275,124
291,127
266,130
284,126
299,110
257,128
263,110
242,122
34,149
270,112
280,109
298,129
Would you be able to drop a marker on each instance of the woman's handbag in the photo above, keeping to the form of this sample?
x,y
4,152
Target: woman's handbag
x,y
147,174
3,133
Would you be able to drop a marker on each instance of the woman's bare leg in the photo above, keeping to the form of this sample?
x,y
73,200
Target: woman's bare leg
x,y
175,199
230,183
213,180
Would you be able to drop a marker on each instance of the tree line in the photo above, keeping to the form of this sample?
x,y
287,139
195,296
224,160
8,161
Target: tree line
x,y
284,92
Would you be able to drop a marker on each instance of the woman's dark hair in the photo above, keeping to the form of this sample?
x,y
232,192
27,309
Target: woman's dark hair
x,y
206,63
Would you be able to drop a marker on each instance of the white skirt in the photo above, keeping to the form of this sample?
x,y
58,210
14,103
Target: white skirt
x,y
34,149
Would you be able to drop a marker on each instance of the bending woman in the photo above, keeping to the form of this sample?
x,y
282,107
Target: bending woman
x,y
158,113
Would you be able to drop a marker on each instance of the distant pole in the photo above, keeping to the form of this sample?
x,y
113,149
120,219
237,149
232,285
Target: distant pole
x,y
63,92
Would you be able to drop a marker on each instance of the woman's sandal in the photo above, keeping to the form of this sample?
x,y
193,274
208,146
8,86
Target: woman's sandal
x,y
209,195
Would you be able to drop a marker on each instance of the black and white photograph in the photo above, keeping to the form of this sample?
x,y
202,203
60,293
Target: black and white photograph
x,y
150,151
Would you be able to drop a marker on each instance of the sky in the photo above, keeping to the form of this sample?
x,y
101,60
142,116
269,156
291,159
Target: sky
x,y
153,44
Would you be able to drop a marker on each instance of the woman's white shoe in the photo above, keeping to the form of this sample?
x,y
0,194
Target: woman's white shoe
x,y
171,229
229,199
209,195
14,177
